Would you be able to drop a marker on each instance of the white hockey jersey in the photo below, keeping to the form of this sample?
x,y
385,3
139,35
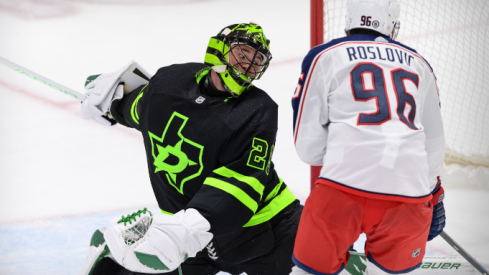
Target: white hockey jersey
x,y
367,109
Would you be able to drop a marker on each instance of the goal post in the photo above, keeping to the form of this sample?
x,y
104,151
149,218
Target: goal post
x,y
317,16
317,34
453,36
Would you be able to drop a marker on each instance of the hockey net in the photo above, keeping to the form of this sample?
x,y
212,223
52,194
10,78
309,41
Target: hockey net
x,y
452,35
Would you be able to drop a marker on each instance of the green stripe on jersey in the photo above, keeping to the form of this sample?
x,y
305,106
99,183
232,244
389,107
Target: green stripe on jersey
x,y
134,107
273,208
233,190
274,191
166,213
251,181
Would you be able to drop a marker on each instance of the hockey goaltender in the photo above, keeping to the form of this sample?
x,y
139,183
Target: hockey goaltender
x,y
209,136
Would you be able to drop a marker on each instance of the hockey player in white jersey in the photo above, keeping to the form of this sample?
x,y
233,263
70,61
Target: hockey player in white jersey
x,y
367,109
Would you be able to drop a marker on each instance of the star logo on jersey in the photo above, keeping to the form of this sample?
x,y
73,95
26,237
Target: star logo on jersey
x,y
179,158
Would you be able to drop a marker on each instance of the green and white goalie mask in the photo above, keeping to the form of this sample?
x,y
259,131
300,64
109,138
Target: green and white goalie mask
x,y
243,45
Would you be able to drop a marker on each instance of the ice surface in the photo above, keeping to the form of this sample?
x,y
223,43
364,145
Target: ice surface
x,y
61,177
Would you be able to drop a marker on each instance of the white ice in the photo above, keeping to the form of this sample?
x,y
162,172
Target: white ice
x,y
61,177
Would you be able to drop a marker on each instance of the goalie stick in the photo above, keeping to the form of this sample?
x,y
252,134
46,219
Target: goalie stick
x,y
42,79
463,253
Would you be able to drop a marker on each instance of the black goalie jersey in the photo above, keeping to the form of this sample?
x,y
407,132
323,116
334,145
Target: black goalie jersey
x,y
208,153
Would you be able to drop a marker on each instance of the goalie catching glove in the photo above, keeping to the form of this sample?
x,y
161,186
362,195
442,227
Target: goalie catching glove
x,y
166,243
102,90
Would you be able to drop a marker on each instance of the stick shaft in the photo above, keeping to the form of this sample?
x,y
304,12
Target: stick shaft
x,y
42,79
464,253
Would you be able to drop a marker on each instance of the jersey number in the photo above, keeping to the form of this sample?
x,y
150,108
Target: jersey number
x,y
376,89
258,154
366,20
298,88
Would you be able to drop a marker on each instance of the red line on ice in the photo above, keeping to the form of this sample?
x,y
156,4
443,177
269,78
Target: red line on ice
x,y
66,106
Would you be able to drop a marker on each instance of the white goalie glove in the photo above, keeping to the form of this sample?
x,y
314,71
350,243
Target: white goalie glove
x,y
166,243
102,90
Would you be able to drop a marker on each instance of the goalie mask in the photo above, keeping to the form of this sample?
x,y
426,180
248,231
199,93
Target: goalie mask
x,y
377,15
246,46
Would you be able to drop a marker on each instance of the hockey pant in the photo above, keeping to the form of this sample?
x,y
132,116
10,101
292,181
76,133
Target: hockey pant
x,y
332,220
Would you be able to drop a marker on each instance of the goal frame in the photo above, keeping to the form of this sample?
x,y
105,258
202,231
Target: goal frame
x,y
317,37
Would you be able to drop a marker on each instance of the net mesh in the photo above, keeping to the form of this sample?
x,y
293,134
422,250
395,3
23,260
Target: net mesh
x,y
451,35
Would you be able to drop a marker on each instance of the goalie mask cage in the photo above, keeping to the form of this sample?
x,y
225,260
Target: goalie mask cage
x,y
453,36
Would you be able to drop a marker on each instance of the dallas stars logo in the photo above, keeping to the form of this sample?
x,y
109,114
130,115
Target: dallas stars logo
x,y
178,157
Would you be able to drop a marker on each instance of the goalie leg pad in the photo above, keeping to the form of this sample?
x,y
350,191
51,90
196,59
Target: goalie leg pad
x,y
97,252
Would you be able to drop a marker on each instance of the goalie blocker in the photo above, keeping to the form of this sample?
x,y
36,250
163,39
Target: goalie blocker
x,y
103,89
